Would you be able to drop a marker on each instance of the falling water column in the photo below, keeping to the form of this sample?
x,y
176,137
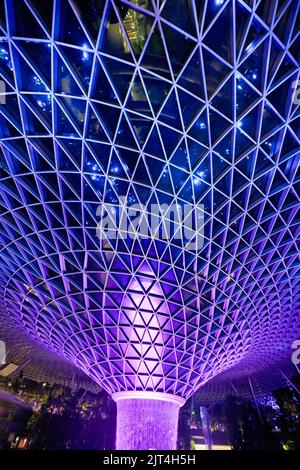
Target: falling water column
x,y
147,420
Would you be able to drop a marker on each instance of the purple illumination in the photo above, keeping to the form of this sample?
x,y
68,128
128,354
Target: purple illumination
x,y
101,104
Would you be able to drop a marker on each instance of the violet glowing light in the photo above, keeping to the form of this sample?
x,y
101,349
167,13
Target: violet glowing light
x,y
101,103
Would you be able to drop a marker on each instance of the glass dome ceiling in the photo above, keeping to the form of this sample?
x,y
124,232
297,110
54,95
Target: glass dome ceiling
x,y
160,102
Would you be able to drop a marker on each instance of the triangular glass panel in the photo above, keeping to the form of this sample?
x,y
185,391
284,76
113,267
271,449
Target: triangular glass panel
x,y
154,56
116,167
124,135
114,40
178,55
250,121
45,150
2,16
283,26
94,127
6,68
98,155
192,78
264,11
219,36
186,193
70,30
170,139
242,142
246,166
269,120
29,79
102,88
40,57
262,163
170,113
66,161
181,14
110,116
141,126
157,90
80,63
287,67
212,9
25,24
7,129
180,157
155,168
73,148
280,96
218,124
120,75
223,100
220,165
91,13
141,174
65,81
189,107
275,56
199,129
34,124
242,20
253,67
289,144
215,71
76,108
137,26
178,176
198,153
154,146
41,103
255,33
245,95
137,99
164,183
129,158
64,125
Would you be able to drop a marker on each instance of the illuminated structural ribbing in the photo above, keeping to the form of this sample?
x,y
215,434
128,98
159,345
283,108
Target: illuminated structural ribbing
x,y
102,103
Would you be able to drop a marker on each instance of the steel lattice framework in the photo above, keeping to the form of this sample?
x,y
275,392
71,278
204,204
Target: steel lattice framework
x,y
165,102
